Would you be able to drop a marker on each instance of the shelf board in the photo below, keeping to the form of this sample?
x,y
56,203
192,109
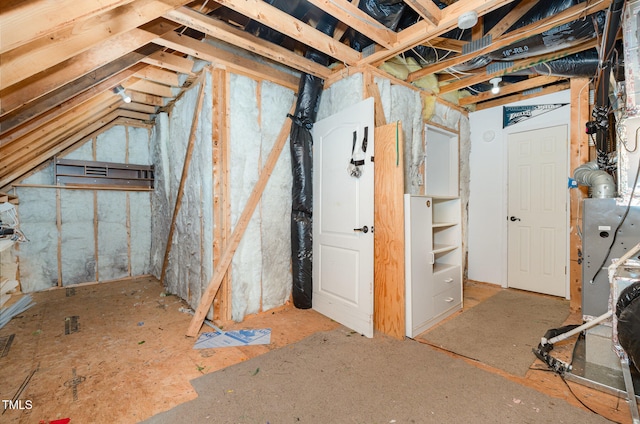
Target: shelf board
x,y
440,267
444,224
442,248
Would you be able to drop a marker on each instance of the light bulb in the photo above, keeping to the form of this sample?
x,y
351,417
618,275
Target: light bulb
x,y
120,90
495,81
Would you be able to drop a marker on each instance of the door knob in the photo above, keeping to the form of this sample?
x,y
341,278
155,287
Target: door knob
x,y
513,218
364,229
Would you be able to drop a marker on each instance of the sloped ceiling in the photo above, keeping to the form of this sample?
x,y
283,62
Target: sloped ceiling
x,y
61,60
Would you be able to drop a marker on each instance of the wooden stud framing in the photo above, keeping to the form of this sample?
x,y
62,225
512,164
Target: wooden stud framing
x,y
579,154
183,179
59,228
371,90
238,231
222,205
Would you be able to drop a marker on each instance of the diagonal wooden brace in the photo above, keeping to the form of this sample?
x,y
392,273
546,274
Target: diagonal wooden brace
x,y
238,231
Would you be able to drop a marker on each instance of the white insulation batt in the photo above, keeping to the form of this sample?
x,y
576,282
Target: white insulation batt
x,y
260,270
101,235
187,273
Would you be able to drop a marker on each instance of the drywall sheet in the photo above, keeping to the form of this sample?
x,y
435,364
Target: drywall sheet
x,y
77,237
111,145
275,205
246,160
39,256
113,240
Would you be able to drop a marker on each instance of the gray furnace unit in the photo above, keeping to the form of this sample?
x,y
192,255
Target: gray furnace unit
x,y
600,221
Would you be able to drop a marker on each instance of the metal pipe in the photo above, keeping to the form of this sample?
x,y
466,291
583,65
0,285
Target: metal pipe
x,y
600,182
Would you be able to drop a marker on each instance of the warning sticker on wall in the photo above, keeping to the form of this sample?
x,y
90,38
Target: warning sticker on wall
x,y
515,114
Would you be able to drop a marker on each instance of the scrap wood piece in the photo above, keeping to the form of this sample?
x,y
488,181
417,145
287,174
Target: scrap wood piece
x,y
238,231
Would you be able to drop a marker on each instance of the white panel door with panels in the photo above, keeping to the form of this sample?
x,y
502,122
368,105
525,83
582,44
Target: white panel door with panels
x,y
537,210
343,218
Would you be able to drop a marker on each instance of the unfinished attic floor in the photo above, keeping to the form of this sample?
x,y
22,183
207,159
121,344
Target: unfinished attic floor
x,y
128,359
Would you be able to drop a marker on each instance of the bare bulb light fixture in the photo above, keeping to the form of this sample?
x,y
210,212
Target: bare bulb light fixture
x,y
120,90
495,81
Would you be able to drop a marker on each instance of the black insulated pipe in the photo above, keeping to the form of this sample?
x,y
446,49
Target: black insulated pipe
x,y
301,145
602,103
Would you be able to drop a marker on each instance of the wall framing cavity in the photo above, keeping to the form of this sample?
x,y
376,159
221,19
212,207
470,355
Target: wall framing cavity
x,y
81,234
260,277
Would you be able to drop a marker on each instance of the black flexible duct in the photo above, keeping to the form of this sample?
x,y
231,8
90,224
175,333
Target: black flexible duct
x,y
602,104
301,145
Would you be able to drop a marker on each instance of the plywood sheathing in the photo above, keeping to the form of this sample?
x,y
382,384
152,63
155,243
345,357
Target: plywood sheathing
x,y
130,356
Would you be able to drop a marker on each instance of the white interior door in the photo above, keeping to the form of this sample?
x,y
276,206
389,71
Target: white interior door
x,y
537,208
343,219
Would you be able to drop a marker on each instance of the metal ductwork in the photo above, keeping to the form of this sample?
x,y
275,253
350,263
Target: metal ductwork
x,y
600,183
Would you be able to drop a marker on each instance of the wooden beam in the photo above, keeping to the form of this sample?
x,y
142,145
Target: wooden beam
x,y
284,23
39,130
427,9
371,90
229,34
161,76
185,173
511,18
35,19
218,56
238,231
535,28
220,178
170,61
517,66
153,88
424,30
444,43
57,146
518,97
45,52
66,98
357,19
517,87
579,154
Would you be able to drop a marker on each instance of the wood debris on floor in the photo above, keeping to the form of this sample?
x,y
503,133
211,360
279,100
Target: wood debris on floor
x,y
117,352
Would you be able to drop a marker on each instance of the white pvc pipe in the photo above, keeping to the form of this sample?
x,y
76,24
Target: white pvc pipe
x,y
576,330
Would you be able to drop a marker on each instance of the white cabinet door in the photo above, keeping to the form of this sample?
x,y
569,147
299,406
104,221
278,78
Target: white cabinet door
x,y
418,262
